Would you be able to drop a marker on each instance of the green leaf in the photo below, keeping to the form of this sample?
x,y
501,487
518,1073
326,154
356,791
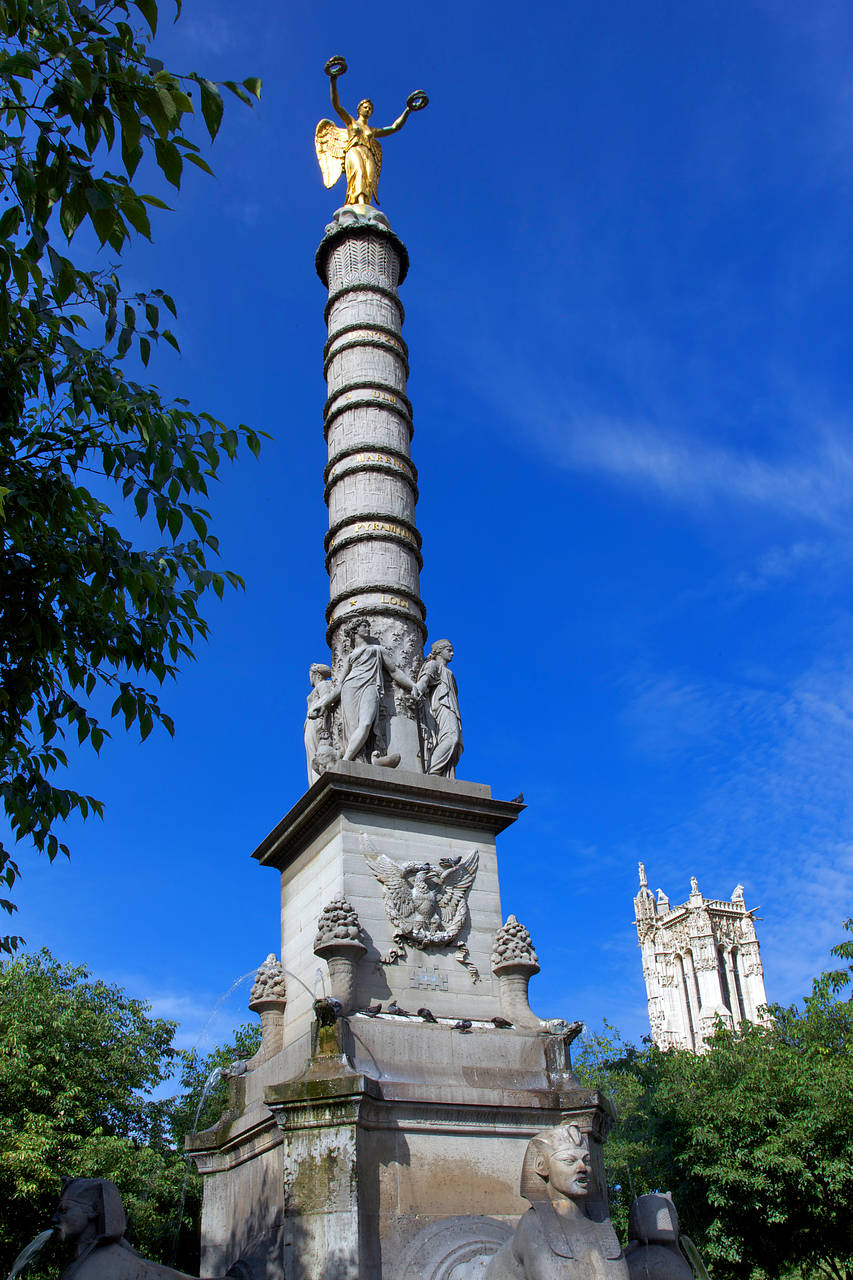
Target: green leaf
x,y
156,202
253,84
10,222
212,106
199,163
134,211
238,91
148,9
170,160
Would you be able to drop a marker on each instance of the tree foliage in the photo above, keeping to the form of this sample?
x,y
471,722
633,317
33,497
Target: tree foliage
x,y
82,103
753,1138
79,1060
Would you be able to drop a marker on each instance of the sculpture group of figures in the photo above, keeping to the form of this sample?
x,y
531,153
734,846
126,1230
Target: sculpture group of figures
x,y
565,1235
358,692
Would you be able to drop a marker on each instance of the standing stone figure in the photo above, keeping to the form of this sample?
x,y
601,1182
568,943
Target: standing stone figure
x,y
355,150
442,720
566,1235
359,689
318,738
91,1216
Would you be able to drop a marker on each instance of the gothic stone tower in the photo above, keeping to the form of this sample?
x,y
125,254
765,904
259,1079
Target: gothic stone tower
x,y
385,1140
700,962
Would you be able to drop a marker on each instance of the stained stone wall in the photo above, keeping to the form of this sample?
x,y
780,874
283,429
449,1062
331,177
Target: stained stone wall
x,y
701,961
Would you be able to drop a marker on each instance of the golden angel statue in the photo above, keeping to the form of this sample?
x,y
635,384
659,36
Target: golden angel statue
x,y
355,150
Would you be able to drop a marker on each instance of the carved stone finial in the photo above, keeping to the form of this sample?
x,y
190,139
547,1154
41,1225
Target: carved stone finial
x,y
644,884
268,999
270,983
338,927
737,893
339,943
694,885
513,946
515,962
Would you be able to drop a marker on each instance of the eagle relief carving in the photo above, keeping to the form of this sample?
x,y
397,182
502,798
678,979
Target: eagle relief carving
x,y
426,903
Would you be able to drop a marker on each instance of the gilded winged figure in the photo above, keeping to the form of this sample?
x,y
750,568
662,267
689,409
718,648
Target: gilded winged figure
x,y
355,150
427,903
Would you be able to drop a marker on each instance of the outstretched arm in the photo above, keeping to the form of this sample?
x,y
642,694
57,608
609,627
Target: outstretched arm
x,y
393,128
324,701
399,677
336,102
415,102
428,677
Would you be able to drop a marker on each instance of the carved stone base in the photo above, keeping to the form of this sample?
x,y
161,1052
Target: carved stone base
x,y
388,1179
373,1134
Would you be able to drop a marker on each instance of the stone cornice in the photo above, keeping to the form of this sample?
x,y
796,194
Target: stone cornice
x,y
419,797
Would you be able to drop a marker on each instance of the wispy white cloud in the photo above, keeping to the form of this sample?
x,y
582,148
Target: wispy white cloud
x,y
815,485
777,807
204,1019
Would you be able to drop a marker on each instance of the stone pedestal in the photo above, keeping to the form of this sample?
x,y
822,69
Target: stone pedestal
x,y
391,1145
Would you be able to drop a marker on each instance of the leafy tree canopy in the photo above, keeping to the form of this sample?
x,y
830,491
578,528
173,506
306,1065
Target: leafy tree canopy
x,y
82,102
79,1060
753,1138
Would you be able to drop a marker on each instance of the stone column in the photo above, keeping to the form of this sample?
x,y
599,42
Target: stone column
x,y
373,545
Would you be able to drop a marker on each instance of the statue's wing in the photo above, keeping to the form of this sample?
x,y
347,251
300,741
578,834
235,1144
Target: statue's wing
x,y
330,145
377,156
397,889
454,891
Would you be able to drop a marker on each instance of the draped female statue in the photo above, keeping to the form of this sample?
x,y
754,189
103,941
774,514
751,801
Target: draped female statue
x,y
355,150
359,690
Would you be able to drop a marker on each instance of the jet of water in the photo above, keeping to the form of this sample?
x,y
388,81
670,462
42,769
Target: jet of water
x,y
32,1250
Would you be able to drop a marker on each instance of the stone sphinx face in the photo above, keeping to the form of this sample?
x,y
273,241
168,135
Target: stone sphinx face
x,y
567,1171
74,1214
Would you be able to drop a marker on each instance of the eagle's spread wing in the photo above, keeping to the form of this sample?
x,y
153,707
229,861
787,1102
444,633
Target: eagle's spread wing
x,y
330,145
397,889
454,890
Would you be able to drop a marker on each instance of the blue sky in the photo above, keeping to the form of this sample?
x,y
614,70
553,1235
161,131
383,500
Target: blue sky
x,y
629,319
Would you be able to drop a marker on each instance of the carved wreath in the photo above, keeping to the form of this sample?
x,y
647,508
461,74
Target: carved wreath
x,y
427,904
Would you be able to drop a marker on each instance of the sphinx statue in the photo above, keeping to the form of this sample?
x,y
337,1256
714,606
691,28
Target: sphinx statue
x,y
656,1249
90,1216
566,1234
